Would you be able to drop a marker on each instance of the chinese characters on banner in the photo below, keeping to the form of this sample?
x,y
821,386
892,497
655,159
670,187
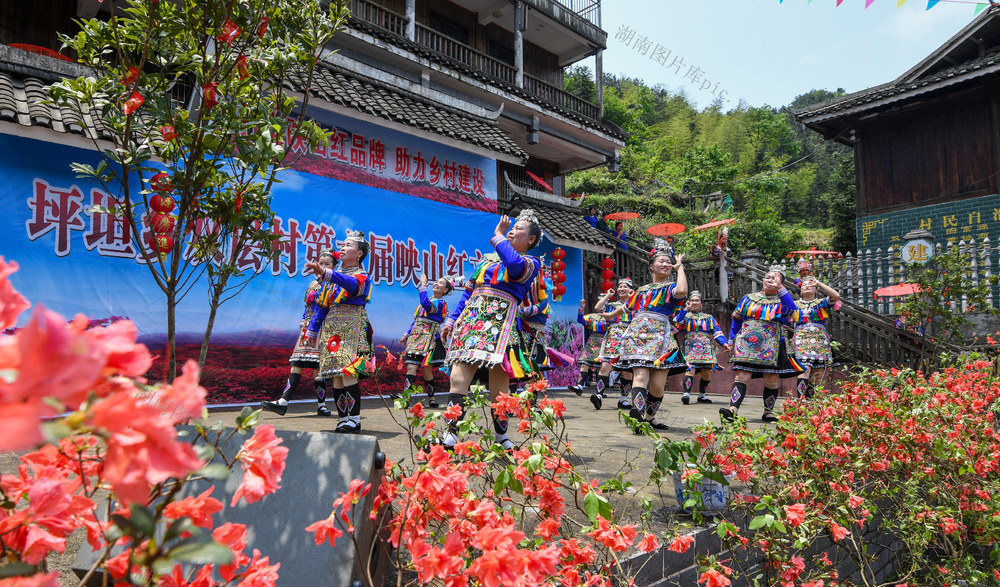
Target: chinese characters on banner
x,y
394,156
392,260
949,222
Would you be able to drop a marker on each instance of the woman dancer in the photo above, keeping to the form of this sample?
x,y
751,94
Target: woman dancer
x,y
422,342
616,327
594,329
699,352
345,338
482,325
758,344
305,355
649,347
811,341
531,357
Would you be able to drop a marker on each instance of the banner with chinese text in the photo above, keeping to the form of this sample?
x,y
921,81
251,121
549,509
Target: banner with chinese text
x,y
75,260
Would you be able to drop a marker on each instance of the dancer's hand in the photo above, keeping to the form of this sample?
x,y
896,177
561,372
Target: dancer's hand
x,y
315,268
402,340
423,280
445,333
502,227
728,346
678,261
310,341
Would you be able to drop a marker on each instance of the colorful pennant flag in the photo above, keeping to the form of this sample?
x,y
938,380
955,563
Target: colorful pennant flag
x,y
980,6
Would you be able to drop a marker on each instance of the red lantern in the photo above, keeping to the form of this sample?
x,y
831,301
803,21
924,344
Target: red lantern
x,y
161,243
607,274
606,285
160,182
559,290
558,266
162,223
559,254
558,278
607,263
162,203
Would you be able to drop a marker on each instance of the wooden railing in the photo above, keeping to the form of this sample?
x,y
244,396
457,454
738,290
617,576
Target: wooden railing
x,y
561,97
465,54
588,9
379,16
395,23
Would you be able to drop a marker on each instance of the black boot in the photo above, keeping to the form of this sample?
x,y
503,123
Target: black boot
x,y
349,409
638,408
624,402
702,386
500,428
688,384
802,388
280,407
321,409
770,399
652,406
429,390
739,394
451,438
597,398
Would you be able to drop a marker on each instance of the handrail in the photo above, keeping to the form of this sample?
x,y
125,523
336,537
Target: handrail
x,y
379,16
561,97
465,54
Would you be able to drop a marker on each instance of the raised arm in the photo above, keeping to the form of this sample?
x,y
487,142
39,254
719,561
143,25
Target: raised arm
x,y
681,287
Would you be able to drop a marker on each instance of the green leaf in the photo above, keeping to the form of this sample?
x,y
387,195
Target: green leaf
x,y
143,519
214,471
16,569
591,506
180,526
760,521
503,479
203,552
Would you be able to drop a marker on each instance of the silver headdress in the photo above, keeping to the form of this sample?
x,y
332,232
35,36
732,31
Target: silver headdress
x,y
694,294
661,247
779,269
529,215
627,281
354,236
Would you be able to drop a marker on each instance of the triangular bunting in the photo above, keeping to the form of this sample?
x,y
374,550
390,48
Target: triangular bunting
x,y
979,8
931,3
900,3
839,2
868,3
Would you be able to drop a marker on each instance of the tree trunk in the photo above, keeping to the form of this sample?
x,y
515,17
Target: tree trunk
x,y
170,364
213,309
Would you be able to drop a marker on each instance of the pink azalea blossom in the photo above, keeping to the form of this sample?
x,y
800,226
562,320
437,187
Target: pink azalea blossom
x,y
263,462
12,303
40,580
681,543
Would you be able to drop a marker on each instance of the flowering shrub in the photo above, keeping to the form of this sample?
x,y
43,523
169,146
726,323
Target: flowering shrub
x,y
897,468
99,438
478,515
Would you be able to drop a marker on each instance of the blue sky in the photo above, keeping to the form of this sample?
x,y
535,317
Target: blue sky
x,y
768,53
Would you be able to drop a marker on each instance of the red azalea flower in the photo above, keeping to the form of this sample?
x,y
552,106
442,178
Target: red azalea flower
x,y
681,544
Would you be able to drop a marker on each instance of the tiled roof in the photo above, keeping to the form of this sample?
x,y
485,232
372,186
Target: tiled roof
x,y
421,50
363,94
21,98
901,90
563,225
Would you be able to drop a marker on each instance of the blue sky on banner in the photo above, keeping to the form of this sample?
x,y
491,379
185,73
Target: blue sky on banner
x,y
767,52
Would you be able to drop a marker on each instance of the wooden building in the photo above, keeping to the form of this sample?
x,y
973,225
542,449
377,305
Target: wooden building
x,y
926,145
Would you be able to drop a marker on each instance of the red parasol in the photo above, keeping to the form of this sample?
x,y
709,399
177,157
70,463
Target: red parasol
x,y
815,253
539,180
666,229
622,216
898,290
715,223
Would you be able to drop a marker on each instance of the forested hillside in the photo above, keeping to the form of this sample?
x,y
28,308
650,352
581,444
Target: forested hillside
x,y
784,182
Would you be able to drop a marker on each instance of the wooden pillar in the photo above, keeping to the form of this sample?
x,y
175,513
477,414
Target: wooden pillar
x,y
520,24
599,81
411,20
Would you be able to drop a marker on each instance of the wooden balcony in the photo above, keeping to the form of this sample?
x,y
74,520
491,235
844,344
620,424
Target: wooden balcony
x,y
503,73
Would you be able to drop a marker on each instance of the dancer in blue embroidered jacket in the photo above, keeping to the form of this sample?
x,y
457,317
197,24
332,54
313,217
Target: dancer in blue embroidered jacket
x,y
758,344
479,331
305,355
811,341
701,331
594,329
649,347
422,341
617,325
345,337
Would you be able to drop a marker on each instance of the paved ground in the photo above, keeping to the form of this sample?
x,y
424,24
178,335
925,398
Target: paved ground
x,y
603,444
